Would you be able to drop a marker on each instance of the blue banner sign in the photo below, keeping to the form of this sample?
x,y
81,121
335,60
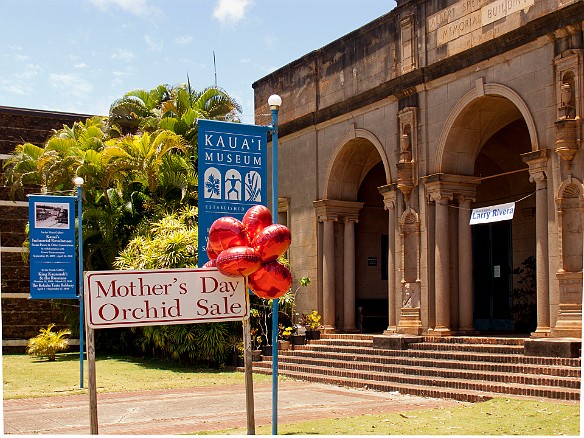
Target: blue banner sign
x,y
53,252
232,173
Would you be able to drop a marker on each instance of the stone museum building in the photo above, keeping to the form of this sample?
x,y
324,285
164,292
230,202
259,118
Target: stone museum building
x,y
393,139
394,135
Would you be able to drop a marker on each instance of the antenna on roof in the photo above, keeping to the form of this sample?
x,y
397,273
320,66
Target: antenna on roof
x,y
215,68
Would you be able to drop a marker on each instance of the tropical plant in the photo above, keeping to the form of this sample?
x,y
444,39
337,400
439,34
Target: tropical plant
x,y
524,296
311,320
284,332
140,177
168,242
48,343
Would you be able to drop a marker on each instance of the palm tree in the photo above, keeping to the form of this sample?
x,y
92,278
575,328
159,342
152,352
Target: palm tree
x,y
141,157
136,107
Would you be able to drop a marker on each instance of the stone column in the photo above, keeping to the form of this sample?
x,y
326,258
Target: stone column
x,y
328,274
537,162
389,196
442,273
541,254
328,212
349,274
465,292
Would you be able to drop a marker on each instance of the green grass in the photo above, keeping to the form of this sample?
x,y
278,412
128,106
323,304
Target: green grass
x,y
495,417
25,376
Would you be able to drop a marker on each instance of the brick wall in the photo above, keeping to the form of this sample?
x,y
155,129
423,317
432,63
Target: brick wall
x,y
21,317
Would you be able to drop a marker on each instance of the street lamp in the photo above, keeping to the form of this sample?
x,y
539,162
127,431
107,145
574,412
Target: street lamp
x,y
274,101
78,181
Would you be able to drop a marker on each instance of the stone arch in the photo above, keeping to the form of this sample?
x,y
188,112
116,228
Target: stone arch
x,y
354,156
464,122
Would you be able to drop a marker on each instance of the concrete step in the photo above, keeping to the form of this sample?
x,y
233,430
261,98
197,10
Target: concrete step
x,y
446,355
464,368
429,370
462,365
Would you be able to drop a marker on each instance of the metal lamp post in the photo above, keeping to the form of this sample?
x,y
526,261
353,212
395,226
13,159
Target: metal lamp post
x,y
274,101
78,181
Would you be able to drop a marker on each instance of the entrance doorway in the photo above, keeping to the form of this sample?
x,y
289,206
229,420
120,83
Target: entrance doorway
x,y
493,276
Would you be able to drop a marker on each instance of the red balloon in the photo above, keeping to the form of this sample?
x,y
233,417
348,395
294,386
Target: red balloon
x,y
272,280
212,254
272,242
226,232
238,261
210,264
256,219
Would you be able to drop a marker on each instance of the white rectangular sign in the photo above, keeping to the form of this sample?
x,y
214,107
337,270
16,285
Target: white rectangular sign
x,y
162,297
494,213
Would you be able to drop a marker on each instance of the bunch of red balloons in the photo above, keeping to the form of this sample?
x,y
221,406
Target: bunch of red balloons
x,y
251,248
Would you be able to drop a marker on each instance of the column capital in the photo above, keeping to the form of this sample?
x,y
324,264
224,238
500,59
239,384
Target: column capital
x,y
389,195
537,162
465,199
443,186
332,210
354,218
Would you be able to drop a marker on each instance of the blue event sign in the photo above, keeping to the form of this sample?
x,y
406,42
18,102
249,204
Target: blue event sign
x,y
53,255
232,173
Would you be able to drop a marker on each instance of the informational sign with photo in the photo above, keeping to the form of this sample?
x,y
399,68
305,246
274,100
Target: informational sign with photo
x,y
53,251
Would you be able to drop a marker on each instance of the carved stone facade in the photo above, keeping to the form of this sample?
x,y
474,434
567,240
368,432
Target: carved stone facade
x,y
448,107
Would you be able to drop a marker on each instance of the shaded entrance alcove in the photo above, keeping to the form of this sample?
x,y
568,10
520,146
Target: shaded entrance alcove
x,y
503,300
352,212
486,140
371,257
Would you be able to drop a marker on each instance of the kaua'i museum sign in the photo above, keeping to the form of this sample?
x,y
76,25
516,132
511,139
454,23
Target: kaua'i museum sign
x,y
232,173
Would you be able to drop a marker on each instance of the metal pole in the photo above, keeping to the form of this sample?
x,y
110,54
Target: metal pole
x,y
80,281
274,110
247,361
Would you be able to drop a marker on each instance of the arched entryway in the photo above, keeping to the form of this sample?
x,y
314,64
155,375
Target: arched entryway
x,y
491,280
352,222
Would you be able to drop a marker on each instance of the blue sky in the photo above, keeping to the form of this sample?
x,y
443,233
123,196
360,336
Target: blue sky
x,y
81,55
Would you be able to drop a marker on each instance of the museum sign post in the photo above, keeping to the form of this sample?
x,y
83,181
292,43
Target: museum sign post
x,y
56,259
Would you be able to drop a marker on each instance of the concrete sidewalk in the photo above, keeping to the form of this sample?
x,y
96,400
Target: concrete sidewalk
x,y
180,411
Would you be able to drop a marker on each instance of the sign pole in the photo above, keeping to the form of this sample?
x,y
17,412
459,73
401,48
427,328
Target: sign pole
x,y
79,182
274,101
247,358
93,425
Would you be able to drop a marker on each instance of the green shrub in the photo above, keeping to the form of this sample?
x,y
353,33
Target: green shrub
x,y
48,343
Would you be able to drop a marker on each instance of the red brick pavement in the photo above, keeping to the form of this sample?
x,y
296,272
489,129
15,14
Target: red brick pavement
x,y
179,411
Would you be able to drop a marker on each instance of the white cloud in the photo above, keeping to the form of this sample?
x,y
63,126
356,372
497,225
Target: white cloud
x,y
22,83
123,55
231,11
184,40
80,65
153,44
70,85
135,7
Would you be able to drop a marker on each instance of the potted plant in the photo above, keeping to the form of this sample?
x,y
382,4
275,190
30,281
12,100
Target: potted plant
x,y
284,334
312,323
235,344
298,336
